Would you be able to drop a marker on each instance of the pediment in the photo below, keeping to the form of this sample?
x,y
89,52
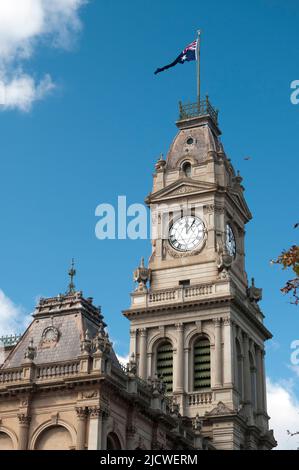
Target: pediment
x,y
240,202
180,189
220,409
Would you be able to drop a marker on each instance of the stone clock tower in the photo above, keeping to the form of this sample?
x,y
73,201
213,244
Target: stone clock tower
x,y
195,320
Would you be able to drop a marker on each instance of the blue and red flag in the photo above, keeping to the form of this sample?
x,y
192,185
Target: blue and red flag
x,y
188,54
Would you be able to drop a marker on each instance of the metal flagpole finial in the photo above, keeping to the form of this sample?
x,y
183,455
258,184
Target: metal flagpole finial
x,y
72,274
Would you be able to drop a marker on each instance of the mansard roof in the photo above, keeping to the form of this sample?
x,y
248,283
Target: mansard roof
x,y
59,326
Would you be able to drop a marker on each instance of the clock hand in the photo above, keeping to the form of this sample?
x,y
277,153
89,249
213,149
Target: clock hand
x,y
189,228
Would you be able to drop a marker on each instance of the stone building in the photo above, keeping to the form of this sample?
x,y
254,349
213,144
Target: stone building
x,y
196,376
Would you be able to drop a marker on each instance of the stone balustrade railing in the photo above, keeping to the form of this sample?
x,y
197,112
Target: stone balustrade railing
x,y
181,294
57,370
200,398
11,375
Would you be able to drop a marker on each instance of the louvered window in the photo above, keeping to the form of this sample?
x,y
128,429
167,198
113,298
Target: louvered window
x,y
202,364
165,364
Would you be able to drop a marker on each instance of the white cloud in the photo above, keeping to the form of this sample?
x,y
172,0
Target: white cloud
x,y
123,359
22,91
24,24
13,319
283,407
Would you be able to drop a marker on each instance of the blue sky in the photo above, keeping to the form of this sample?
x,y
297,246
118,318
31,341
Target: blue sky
x,y
105,120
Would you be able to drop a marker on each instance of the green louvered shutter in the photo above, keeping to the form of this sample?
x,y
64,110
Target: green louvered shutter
x,y
202,364
165,364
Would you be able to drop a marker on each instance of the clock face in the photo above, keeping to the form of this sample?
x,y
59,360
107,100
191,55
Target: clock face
x,y
186,233
230,241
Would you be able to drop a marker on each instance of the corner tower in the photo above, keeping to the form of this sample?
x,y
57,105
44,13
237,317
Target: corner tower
x,y
198,325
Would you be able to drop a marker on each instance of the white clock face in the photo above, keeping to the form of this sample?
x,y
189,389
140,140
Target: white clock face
x,y
230,241
186,233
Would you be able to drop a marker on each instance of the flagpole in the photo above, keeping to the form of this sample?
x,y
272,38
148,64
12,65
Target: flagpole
x,y
198,67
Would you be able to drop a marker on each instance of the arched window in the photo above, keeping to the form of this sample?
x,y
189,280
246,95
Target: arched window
x,y
113,442
5,442
165,364
239,369
54,438
187,169
202,364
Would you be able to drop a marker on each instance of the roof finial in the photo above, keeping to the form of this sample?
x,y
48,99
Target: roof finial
x,y
72,274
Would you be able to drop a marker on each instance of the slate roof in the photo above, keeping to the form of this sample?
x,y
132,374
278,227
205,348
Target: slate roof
x,y
71,315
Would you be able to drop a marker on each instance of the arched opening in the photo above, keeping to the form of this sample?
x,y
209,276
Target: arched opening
x,y
187,169
5,441
252,380
54,438
165,364
239,369
113,442
202,364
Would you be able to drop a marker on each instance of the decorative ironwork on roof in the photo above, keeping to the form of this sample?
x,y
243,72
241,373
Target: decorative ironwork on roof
x,y
9,340
200,108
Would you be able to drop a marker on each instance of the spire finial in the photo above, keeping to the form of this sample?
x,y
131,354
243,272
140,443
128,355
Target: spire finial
x,y
72,274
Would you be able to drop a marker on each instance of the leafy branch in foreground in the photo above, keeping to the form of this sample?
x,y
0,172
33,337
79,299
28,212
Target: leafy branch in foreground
x,y
290,260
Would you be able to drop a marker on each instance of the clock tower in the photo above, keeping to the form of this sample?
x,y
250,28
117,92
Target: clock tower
x,y
195,320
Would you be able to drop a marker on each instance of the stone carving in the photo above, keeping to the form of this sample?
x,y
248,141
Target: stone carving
x,y
30,351
24,419
158,385
142,275
197,423
50,336
161,163
224,259
132,365
177,254
184,190
90,394
175,409
86,344
101,341
98,412
221,409
81,412
255,295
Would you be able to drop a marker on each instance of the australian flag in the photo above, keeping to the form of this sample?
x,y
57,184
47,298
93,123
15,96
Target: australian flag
x,y
188,54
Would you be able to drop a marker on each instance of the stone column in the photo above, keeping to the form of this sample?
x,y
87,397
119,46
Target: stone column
x,y
133,342
81,427
227,352
187,381
218,352
149,364
95,428
24,423
259,368
246,370
263,354
142,353
180,358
